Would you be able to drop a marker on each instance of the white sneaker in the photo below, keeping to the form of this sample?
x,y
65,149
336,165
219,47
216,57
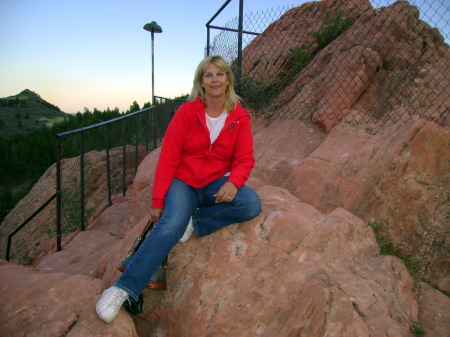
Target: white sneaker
x,y
109,304
187,234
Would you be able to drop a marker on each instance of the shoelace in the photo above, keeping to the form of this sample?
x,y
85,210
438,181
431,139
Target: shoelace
x,y
115,299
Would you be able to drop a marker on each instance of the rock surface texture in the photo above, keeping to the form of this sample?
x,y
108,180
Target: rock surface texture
x,y
309,264
398,176
386,66
292,270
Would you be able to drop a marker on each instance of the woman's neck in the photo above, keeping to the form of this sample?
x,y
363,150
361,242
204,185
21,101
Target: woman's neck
x,y
215,106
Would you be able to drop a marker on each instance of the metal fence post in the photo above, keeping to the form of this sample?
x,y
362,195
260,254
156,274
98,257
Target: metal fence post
x,y
239,62
154,126
208,24
146,130
58,191
166,122
207,40
108,166
124,172
137,144
82,180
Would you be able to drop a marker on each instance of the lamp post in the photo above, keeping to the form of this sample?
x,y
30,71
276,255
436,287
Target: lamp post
x,y
153,28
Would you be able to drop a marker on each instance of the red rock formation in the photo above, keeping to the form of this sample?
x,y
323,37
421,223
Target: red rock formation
x,y
32,240
56,304
291,270
388,65
397,175
268,53
309,264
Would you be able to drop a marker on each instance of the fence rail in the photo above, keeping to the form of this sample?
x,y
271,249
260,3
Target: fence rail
x,y
96,164
386,61
23,224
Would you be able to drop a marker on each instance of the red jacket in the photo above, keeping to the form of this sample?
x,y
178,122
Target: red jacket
x,y
187,152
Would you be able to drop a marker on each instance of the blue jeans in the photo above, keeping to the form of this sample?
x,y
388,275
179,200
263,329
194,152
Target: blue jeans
x,y
181,203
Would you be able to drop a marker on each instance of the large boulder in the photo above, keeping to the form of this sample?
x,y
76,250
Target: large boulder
x,y
58,297
397,176
81,255
38,304
290,271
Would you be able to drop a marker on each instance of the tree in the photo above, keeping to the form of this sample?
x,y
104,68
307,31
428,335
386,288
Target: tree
x,y
97,116
6,202
19,124
185,96
79,117
2,124
18,115
134,107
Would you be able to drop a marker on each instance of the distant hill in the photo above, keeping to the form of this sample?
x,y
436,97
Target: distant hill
x,y
26,110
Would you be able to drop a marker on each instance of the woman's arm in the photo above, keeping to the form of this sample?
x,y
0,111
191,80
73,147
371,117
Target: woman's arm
x,y
155,214
243,159
169,159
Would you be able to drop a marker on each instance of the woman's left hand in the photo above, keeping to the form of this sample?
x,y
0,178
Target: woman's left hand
x,y
226,193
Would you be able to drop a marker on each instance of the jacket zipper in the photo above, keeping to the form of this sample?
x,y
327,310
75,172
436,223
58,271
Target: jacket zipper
x,y
231,127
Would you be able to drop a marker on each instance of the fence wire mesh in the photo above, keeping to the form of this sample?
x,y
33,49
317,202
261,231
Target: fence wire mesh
x,y
349,60
165,109
97,163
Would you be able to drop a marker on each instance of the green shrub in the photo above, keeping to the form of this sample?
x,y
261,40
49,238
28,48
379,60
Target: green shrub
x,y
386,247
260,93
300,60
417,330
333,27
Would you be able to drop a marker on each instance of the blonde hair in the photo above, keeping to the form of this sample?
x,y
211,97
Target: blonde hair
x,y
231,99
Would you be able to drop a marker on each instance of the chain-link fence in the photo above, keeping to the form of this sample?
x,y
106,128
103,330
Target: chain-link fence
x,y
352,60
97,163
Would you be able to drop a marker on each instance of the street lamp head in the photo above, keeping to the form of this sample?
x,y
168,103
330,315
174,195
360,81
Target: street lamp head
x,y
153,27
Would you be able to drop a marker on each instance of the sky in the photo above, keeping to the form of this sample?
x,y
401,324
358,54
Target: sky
x,y
96,54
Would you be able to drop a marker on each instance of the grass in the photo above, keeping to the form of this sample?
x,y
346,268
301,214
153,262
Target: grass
x,y
300,59
386,247
334,25
50,121
259,94
413,265
30,113
417,330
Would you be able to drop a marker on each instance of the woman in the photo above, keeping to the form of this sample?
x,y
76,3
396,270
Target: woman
x,y
206,157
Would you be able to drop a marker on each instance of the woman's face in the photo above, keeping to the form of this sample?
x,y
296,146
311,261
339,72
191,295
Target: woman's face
x,y
215,81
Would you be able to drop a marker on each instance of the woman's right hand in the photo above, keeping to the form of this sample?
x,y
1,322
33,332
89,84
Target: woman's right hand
x,y
155,214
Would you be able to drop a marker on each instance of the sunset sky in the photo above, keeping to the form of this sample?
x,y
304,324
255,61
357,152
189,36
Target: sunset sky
x,y
96,54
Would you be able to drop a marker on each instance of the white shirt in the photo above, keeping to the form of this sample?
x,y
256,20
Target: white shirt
x,y
215,125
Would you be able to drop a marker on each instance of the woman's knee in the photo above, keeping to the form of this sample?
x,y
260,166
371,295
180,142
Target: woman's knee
x,y
250,202
254,207
167,231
